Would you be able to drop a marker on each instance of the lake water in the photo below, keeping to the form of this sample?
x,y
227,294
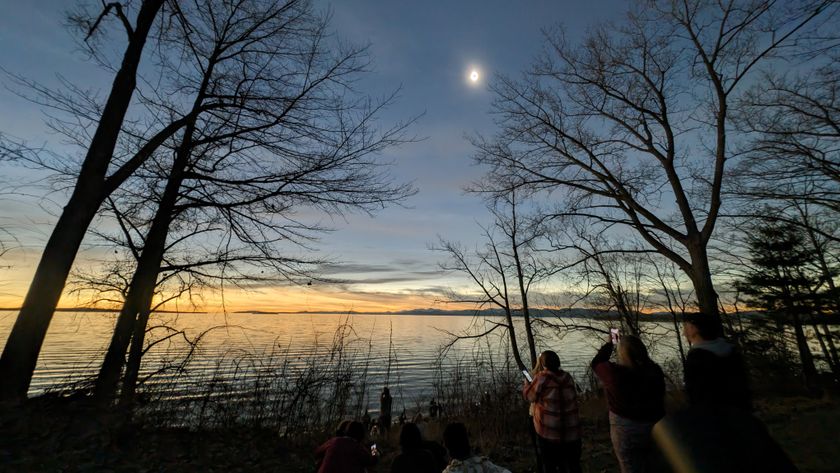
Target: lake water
x,y
401,351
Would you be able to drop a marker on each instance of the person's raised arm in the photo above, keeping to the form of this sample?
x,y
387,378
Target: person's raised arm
x,y
601,363
531,391
603,354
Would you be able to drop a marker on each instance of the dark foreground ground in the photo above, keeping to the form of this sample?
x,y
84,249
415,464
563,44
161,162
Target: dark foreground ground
x,y
68,436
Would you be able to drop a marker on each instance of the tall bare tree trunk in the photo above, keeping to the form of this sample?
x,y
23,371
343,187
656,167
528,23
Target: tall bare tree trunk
x,y
828,277
143,282
832,365
135,357
514,345
701,279
526,313
809,370
20,354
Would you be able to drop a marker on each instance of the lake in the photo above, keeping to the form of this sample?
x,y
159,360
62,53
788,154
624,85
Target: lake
x,y
401,351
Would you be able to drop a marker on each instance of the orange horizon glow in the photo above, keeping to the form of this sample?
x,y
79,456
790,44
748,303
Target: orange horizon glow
x,y
272,300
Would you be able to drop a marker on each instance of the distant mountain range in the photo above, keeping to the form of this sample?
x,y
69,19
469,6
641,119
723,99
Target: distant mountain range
x,y
568,313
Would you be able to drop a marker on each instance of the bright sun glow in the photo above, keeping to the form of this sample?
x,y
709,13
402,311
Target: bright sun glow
x,y
474,76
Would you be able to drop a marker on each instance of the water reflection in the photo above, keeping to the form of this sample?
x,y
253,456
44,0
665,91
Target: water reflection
x,y
401,351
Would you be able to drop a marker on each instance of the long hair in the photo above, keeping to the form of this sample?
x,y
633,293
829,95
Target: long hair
x,y
634,352
538,366
341,430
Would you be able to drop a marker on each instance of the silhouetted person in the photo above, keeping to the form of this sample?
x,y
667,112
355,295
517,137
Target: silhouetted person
x,y
341,431
457,442
555,415
635,389
366,421
717,433
434,409
346,453
413,458
710,438
385,402
714,368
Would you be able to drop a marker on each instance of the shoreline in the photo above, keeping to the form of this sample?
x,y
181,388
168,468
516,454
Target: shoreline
x,y
82,438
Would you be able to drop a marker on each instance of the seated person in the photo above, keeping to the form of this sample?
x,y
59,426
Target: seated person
x,y
413,458
346,453
457,442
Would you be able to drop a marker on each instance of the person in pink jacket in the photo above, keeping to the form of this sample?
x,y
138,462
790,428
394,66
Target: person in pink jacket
x,y
556,418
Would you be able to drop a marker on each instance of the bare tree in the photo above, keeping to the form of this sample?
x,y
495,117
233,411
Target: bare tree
x,y
790,174
793,159
673,297
503,271
633,124
613,274
522,238
92,186
295,135
489,276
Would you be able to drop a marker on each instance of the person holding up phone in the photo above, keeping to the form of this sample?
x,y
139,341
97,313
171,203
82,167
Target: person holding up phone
x,y
554,396
635,389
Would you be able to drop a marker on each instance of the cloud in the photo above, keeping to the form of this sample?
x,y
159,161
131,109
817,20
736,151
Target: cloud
x,y
353,268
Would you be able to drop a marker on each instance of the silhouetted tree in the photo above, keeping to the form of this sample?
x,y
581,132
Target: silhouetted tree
x,y
781,282
609,276
294,136
93,185
504,270
633,124
793,160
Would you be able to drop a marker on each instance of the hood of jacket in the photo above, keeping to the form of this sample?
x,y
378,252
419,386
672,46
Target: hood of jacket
x,y
718,346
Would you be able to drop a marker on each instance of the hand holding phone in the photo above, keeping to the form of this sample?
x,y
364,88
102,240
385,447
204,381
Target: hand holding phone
x,y
614,336
527,376
373,450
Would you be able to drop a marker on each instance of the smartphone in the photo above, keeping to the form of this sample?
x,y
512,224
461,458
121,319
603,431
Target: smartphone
x,y
527,375
373,449
614,335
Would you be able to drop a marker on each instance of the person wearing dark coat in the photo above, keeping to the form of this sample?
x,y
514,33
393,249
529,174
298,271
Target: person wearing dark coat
x,y
385,403
715,372
635,389
717,433
413,458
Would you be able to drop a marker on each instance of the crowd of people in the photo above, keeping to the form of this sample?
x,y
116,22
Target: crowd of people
x,y
716,388
346,452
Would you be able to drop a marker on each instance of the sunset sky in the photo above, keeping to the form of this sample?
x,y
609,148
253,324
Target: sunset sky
x,y
427,48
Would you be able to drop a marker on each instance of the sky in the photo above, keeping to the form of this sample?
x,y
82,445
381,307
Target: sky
x,y
426,49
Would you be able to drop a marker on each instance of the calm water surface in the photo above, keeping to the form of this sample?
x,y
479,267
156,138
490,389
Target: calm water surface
x,y
401,351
